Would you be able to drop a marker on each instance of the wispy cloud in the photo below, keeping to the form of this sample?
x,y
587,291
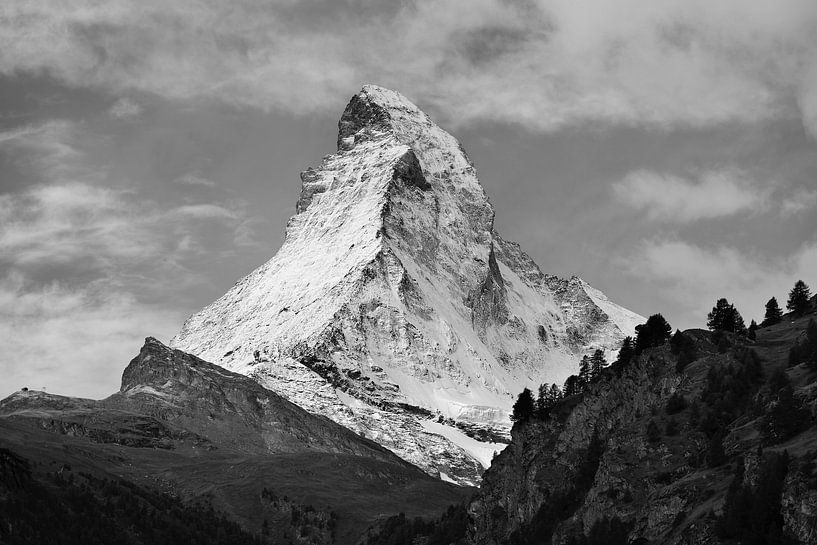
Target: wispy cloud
x,y
72,341
46,147
801,200
544,64
88,270
193,179
695,276
670,198
125,108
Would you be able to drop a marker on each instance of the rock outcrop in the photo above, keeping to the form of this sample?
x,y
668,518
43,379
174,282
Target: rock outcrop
x,y
657,448
214,438
394,308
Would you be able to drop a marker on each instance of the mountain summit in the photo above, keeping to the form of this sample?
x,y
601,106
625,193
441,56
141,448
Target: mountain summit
x,y
394,308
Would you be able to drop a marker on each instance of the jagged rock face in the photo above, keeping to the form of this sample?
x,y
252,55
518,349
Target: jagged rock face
x,y
393,304
661,488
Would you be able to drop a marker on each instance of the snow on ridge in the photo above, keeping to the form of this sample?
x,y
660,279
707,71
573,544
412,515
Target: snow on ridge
x,y
392,301
623,318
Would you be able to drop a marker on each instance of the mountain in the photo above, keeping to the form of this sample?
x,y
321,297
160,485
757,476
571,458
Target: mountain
x,y
721,450
214,447
708,438
395,309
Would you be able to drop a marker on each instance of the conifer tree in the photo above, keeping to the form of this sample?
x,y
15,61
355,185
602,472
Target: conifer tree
x,y
654,332
572,386
753,330
584,372
626,352
773,313
524,406
542,401
555,393
799,298
725,317
597,363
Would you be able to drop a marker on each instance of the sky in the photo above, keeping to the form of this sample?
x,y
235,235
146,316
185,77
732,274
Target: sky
x,y
663,150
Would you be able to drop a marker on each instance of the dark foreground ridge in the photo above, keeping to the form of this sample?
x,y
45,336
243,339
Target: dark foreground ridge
x,y
196,451
702,437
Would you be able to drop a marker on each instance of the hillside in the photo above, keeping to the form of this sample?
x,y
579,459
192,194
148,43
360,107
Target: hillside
x,y
186,433
705,438
653,454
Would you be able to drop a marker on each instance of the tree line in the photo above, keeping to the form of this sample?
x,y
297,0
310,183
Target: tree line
x,y
724,317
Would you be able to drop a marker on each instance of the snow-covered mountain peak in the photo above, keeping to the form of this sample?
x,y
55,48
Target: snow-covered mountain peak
x,y
394,308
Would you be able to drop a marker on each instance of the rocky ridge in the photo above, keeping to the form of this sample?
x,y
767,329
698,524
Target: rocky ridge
x,y
207,436
652,468
394,308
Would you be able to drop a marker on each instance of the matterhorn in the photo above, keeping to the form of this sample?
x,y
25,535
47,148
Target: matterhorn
x,y
395,309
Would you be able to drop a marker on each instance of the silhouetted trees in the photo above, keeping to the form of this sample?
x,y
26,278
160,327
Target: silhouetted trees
x,y
572,386
799,297
549,396
773,313
725,317
524,407
585,373
597,363
654,332
752,331
684,347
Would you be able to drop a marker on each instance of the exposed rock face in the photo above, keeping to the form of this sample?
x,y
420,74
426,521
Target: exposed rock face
x,y
662,486
393,303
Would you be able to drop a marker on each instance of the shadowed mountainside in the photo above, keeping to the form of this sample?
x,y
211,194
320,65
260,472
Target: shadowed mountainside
x,y
196,432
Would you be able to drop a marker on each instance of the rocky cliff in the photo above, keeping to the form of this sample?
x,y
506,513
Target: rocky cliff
x,y
394,308
707,452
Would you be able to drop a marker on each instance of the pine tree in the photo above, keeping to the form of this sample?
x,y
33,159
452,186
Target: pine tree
x,y
524,406
626,352
549,395
799,298
773,313
572,386
597,363
752,334
654,332
555,393
725,317
584,372
542,405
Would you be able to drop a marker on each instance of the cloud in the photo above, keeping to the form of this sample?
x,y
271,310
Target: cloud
x,y
72,341
46,147
670,198
544,64
125,108
694,277
88,270
802,200
193,179
105,232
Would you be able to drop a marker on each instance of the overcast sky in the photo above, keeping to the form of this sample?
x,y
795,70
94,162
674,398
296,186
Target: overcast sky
x,y
664,150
